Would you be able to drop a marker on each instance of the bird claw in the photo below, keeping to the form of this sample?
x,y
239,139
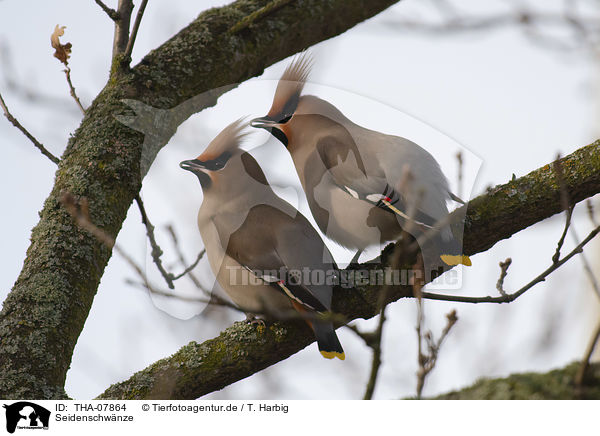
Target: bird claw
x,y
253,320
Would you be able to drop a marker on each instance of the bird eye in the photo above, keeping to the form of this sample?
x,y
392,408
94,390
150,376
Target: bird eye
x,y
285,119
220,163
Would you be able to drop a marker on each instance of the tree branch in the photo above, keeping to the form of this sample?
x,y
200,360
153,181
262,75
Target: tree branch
x,y
188,269
557,384
114,15
156,252
241,350
122,23
45,312
374,339
72,90
507,298
427,361
25,132
134,31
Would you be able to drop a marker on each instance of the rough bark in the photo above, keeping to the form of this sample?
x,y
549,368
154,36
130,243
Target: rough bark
x,y
44,314
557,384
243,350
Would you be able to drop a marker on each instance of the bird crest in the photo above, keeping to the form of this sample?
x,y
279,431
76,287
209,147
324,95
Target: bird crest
x,y
290,85
228,140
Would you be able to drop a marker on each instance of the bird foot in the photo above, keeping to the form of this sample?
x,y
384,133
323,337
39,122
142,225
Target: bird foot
x,y
253,320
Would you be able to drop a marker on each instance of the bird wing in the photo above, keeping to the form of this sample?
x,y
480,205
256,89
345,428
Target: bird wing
x,y
277,248
364,179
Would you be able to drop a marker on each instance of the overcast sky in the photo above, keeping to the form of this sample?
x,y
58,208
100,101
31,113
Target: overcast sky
x,y
509,104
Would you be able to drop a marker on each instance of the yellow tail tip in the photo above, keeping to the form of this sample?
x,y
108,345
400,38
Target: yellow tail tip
x,y
456,259
332,354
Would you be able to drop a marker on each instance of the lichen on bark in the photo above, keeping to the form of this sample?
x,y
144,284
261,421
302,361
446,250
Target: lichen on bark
x,y
557,384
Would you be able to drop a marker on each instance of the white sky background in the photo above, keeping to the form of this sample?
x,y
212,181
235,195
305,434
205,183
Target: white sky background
x,y
511,103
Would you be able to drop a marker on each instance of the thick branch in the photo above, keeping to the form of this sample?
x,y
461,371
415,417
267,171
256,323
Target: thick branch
x,y
44,314
241,350
558,384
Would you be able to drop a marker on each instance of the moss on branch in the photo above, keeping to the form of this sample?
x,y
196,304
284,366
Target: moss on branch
x,y
557,384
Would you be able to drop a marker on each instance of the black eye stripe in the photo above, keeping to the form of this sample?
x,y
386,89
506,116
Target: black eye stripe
x,y
287,111
218,163
279,135
290,106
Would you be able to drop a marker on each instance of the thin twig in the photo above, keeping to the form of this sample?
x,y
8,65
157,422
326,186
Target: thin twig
x,y
155,291
590,210
23,90
427,362
511,297
114,15
190,268
368,337
134,31
373,339
503,271
181,257
401,251
459,162
156,250
585,363
586,264
561,241
421,372
585,28
565,202
18,125
376,360
72,89
587,268
79,210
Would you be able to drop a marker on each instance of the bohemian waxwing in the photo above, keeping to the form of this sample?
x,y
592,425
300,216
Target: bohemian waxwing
x,y
363,187
264,253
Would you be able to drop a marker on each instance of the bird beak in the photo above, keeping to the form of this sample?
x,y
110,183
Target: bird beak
x,y
263,123
193,165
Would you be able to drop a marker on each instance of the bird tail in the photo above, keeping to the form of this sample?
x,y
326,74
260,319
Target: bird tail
x,y
443,249
451,250
456,259
327,340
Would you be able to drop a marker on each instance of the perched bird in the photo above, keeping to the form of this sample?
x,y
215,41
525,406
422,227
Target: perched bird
x,y
264,253
363,187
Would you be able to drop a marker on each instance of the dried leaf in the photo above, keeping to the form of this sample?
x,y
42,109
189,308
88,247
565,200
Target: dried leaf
x,y
62,52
